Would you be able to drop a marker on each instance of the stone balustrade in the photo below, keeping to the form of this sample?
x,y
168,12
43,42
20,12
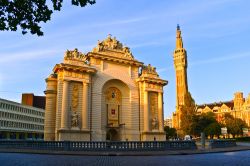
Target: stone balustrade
x,y
222,143
98,146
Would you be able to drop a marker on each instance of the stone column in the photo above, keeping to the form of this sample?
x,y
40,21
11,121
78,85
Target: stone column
x,y
85,107
50,109
50,117
160,112
146,113
64,115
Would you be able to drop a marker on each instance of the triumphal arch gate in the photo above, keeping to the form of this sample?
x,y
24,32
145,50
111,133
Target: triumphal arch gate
x,y
105,94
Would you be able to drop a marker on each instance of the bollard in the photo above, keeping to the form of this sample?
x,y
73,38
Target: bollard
x,y
203,139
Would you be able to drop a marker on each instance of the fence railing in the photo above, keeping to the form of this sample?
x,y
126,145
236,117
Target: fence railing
x,y
222,143
98,146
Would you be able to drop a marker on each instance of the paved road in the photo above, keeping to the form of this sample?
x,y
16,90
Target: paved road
x,y
240,158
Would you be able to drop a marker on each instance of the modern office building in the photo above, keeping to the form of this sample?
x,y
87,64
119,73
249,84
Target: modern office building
x,y
18,121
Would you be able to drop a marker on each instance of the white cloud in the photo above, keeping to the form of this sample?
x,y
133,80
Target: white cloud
x,y
36,54
33,54
210,61
221,59
161,70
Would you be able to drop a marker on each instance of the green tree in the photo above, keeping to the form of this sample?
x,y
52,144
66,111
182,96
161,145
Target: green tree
x,y
234,125
187,113
206,119
27,14
170,132
200,122
195,128
213,129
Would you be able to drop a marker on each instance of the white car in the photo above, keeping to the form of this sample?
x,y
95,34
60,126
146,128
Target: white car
x,y
187,138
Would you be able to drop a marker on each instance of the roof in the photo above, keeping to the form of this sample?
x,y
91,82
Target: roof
x,y
230,104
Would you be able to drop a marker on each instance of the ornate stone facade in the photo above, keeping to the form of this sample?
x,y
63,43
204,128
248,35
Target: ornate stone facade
x,y
239,107
104,95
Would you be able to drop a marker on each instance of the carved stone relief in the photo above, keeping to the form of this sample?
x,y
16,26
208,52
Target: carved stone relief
x,y
75,57
113,44
154,110
74,120
149,70
74,105
113,95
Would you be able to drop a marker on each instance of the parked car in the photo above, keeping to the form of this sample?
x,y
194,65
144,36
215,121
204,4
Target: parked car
x,y
188,138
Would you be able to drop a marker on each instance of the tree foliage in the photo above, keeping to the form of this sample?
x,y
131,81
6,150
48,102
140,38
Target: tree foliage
x,y
213,129
205,122
187,113
234,125
170,132
27,14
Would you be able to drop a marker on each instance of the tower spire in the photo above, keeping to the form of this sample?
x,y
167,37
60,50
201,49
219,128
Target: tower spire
x,y
180,63
185,104
179,43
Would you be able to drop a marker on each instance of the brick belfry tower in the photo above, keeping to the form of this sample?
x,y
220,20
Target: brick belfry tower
x,y
183,97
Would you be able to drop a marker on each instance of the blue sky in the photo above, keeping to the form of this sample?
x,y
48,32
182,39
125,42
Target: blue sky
x,y
216,36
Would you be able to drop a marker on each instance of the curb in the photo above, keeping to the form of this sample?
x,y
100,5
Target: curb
x,y
129,153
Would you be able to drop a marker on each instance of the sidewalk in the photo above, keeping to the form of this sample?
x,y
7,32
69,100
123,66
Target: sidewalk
x,y
130,153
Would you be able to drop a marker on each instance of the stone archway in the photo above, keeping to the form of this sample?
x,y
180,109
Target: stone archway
x,y
112,135
113,97
114,103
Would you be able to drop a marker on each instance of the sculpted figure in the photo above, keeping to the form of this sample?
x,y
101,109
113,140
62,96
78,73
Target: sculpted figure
x,y
99,46
81,56
67,53
128,53
153,69
125,49
115,43
149,68
108,42
154,123
74,120
75,53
